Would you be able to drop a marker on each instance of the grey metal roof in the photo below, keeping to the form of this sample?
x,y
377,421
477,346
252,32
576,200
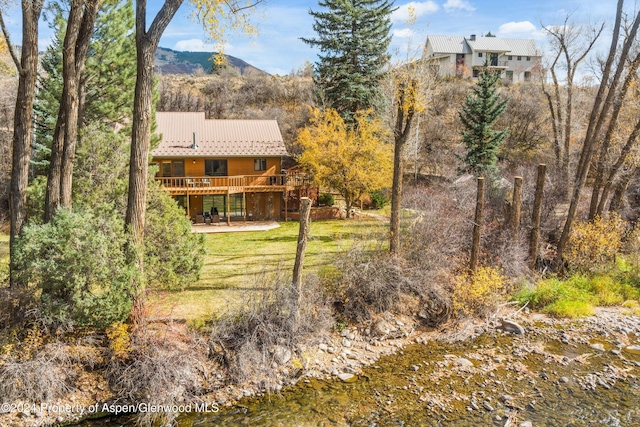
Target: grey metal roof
x,y
460,44
448,44
216,138
488,44
522,47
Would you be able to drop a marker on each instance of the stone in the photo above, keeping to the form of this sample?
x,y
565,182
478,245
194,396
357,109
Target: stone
x,y
633,349
344,333
281,355
346,342
323,347
513,327
615,351
382,328
597,346
487,406
464,362
414,367
564,379
526,424
347,378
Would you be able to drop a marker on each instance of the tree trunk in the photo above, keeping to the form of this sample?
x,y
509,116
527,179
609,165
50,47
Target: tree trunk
x,y
23,126
76,64
477,228
617,200
599,113
52,196
516,207
305,211
146,45
401,131
535,217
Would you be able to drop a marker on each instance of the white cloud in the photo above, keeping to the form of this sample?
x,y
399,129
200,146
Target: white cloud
x,y
419,9
452,5
523,28
194,45
404,33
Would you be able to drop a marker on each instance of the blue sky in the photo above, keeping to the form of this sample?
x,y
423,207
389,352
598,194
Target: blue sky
x,y
278,49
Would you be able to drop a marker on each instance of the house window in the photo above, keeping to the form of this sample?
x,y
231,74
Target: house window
x,y
528,58
181,200
527,76
178,168
479,54
509,76
510,57
215,167
165,170
519,58
259,164
476,72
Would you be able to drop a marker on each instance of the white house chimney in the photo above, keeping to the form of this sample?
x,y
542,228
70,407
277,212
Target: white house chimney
x,y
473,37
195,145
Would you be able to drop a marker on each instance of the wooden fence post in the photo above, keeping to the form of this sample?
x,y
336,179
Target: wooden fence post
x,y
535,216
516,206
305,210
477,226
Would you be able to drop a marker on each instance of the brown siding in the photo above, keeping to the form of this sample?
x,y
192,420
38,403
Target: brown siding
x,y
235,166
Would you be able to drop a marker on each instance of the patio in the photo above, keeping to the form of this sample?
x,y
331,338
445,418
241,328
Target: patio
x,y
223,227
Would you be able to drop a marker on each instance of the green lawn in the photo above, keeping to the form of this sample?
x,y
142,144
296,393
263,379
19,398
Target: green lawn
x,y
236,264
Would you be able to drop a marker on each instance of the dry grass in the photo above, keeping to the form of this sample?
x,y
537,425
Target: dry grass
x,y
269,330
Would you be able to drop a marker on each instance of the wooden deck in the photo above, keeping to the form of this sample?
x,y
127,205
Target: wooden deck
x,y
233,184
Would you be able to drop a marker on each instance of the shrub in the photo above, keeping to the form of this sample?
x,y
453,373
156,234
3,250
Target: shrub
x,y
373,283
250,341
326,199
479,293
173,254
77,261
594,245
379,199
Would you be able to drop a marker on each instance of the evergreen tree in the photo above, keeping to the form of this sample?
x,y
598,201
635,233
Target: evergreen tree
x,y
480,111
353,37
108,81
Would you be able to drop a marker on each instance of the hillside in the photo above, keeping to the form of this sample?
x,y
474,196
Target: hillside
x,y
170,61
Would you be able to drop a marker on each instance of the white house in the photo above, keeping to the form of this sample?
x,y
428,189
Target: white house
x,y
518,60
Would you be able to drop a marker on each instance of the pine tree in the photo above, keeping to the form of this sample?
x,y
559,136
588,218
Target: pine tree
x,y
480,111
353,37
108,81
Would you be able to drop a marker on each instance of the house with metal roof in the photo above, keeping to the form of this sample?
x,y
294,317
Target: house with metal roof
x,y
223,169
517,60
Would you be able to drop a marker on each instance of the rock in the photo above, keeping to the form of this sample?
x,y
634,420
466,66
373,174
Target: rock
x,y
564,379
281,355
615,351
513,327
633,349
597,346
346,342
344,333
487,406
382,328
464,362
526,424
414,367
323,347
347,378
351,336
331,350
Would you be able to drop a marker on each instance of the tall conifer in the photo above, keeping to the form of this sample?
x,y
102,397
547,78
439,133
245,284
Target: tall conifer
x,y
480,111
353,38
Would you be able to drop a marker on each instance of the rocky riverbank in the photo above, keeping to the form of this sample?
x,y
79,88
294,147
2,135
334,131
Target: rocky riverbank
x,y
481,372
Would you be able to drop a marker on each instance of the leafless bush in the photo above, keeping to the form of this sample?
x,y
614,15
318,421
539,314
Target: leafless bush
x,y
375,282
160,373
267,330
48,375
15,305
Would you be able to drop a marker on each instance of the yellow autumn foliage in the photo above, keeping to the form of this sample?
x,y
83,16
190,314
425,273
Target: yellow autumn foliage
x,y
479,293
352,160
593,245
119,339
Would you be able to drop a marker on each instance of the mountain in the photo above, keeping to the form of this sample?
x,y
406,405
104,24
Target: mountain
x,y
170,61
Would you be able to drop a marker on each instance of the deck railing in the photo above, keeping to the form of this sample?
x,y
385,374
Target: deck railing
x,y
234,184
